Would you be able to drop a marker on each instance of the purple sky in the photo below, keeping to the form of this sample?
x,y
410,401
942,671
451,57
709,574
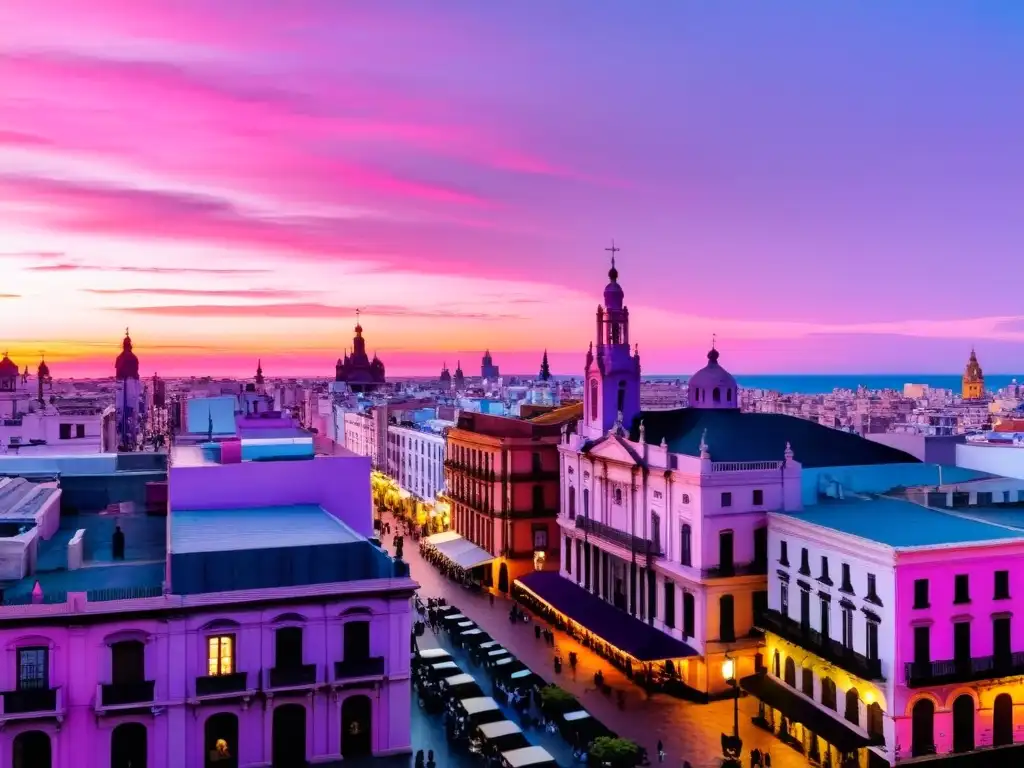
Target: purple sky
x,y
826,187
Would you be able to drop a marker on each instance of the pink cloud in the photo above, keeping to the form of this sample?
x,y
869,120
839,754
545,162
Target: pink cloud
x,y
249,293
301,310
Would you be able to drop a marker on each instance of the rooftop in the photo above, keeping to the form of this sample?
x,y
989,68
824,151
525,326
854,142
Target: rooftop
x,y
300,525
142,569
209,454
734,435
905,525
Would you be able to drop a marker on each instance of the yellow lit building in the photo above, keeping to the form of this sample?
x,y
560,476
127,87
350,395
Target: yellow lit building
x,y
974,379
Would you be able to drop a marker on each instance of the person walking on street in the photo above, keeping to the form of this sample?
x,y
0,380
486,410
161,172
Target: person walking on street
x,y
661,752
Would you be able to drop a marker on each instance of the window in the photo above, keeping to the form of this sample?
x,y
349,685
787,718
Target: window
x,y
688,614
1002,585
670,604
586,502
686,498
824,579
540,538
759,605
961,589
805,608
716,395
847,584
828,693
784,598
872,595
618,495
826,613
726,625
684,548
807,682
537,469
758,497
805,562
725,552
761,548
726,498
288,647
1001,640
65,431
962,643
920,593
572,503
875,719
568,555
220,655
847,613
871,644
783,553
538,498
853,706
790,674
620,403
593,399
33,669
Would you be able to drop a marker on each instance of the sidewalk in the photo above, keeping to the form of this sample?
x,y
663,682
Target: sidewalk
x,y
689,731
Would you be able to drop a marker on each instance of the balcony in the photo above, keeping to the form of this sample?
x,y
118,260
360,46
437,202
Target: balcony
x,y
353,669
619,538
830,650
39,702
469,471
742,569
222,685
293,676
920,674
125,694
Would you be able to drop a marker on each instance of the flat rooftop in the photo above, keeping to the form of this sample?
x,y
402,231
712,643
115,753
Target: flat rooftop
x,y
232,530
207,454
905,525
143,568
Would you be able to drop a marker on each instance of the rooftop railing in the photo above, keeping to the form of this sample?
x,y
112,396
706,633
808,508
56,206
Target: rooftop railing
x,y
746,466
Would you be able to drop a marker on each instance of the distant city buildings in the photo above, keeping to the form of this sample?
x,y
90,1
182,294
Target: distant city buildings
x,y
488,370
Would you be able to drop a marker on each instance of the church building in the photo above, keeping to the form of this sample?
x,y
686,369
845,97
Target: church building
x,y
974,379
357,369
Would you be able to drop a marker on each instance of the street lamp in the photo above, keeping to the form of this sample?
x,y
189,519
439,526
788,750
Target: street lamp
x,y
729,673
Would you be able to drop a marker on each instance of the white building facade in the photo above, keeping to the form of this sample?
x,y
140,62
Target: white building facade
x,y
415,460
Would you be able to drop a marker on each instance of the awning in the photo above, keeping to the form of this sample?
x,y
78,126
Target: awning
x,y
478,704
458,550
799,710
626,633
520,758
500,728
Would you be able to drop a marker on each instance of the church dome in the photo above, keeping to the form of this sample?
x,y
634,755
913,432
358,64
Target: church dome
x,y
713,387
127,364
44,369
613,295
8,368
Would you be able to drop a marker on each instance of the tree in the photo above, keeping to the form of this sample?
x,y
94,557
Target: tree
x,y
557,701
545,369
614,752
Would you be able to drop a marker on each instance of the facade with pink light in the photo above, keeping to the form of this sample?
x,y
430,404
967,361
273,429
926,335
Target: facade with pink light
x,y
254,624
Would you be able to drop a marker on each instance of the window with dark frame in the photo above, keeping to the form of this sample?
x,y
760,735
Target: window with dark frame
x,y
872,595
784,598
961,588
824,578
807,682
783,553
685,556
1002,586
33,669
805,562
726,498
758,497
670,604
847,585
920,593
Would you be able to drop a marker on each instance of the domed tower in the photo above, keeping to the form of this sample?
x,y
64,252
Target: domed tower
x,y
974,379
377,369
260,383
713,387
459,382
129,396
43,378
446,377
612,371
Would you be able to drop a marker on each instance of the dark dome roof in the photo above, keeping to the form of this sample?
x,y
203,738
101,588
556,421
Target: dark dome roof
x,y
44,369
127,364
8,369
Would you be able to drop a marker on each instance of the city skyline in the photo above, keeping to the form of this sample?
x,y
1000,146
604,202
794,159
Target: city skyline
x,y
814,188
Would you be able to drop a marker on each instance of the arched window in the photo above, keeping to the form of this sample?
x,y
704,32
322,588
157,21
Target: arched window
x,y
777,665
593,399
790,672
875,719
726,622
828,693
618,495
686,498
963,723
586,502
621,398
716,395
853,706
572,503
684,545
728,395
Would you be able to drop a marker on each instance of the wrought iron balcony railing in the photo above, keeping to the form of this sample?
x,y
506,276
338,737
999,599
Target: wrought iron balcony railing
x,y
831,650
928,673
120,694
649,547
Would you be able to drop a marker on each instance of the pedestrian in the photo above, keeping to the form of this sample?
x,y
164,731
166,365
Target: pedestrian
x,y
661,752
767,760
755,758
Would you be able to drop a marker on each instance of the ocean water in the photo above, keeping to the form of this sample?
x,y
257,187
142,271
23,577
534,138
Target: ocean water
x,y
823,383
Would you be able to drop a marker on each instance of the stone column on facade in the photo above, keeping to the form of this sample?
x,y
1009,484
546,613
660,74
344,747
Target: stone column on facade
x,y
178,725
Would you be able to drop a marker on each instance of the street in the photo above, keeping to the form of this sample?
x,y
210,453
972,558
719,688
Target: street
x,y
689,731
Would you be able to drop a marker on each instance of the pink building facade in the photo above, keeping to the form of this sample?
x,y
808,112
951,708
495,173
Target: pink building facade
x,y
254,626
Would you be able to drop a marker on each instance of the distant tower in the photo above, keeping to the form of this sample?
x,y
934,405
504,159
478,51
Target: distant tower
x,y
260,388
974,379
488,370
43,377
446,377
545,369
459,382
612,371
129,396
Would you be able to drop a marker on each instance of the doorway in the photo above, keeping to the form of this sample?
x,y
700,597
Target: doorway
x,y
128,746
221,743
128,662
963,724
503,578
923,728
32,750
1002,720
356,724
289,737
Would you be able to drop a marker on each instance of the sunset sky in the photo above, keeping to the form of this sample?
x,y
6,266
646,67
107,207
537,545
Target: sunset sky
x,y
826,187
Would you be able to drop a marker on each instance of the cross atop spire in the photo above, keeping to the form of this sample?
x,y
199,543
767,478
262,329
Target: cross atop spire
x,y
613,273
714,340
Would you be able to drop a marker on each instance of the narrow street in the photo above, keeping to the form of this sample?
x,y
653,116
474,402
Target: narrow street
x,y
689,731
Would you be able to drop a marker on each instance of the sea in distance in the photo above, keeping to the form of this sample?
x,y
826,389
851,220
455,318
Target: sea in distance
x,y
815,384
